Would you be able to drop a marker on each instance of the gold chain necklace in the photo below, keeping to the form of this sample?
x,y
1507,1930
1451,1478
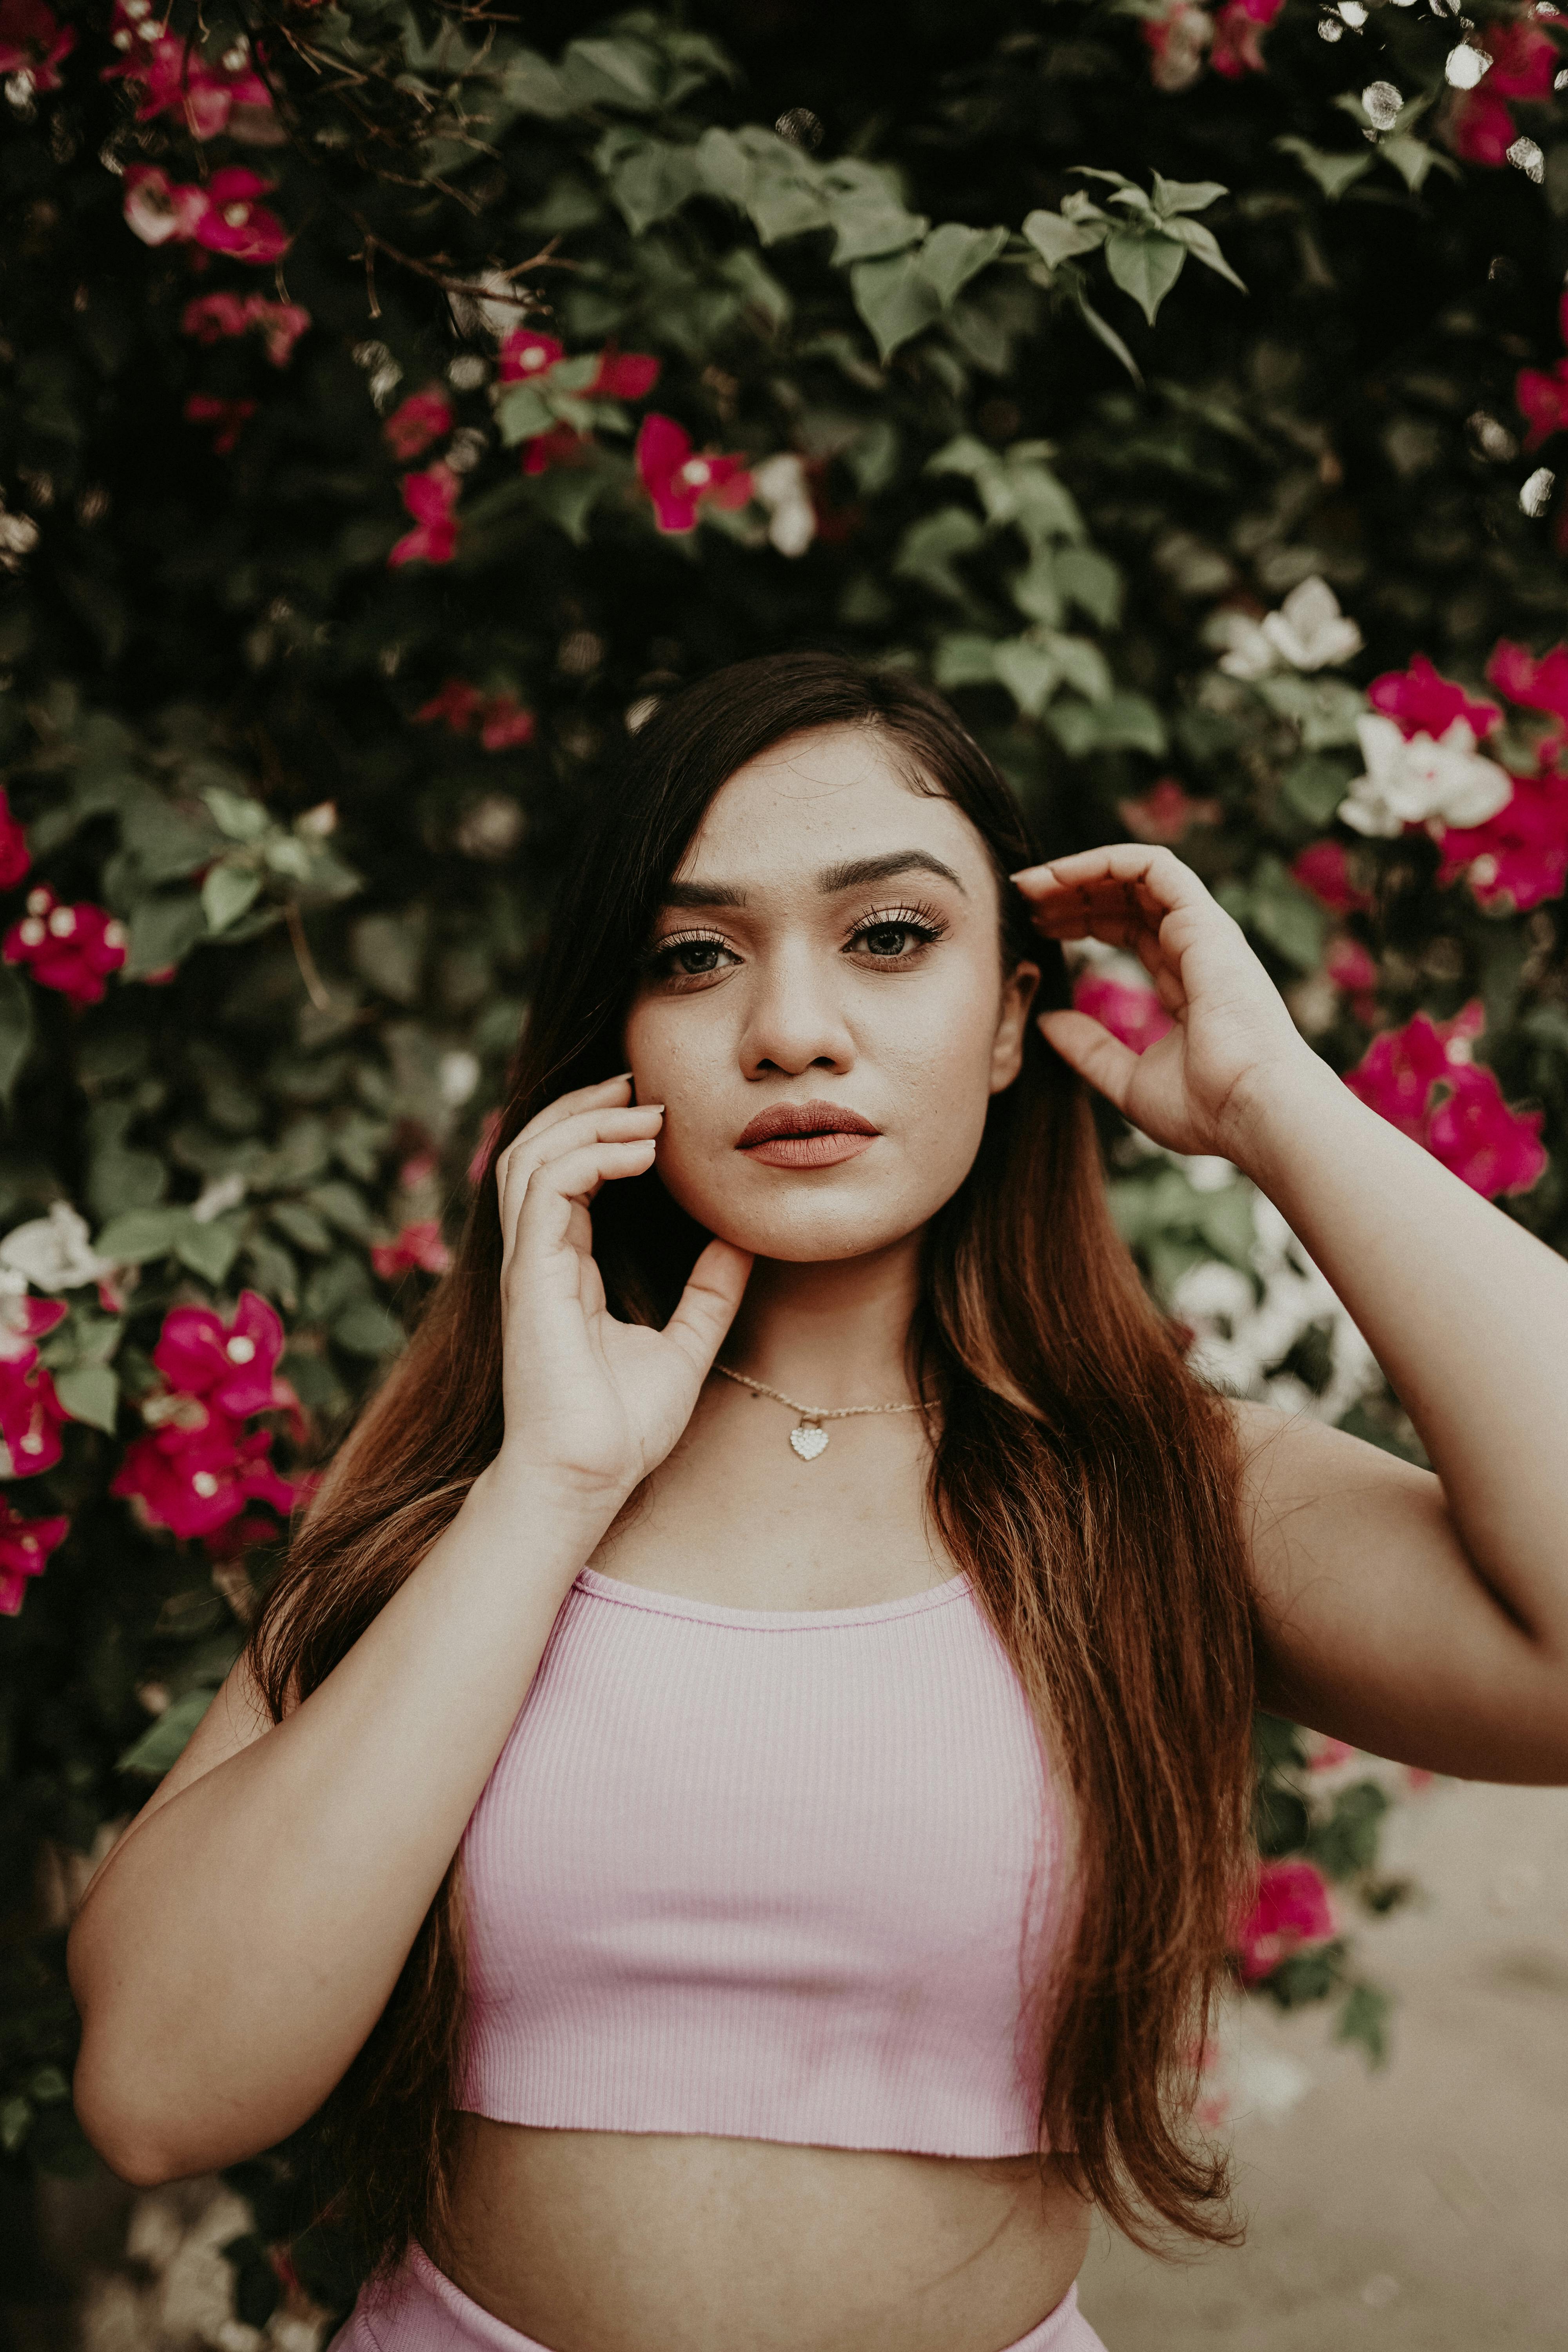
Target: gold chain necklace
x,y
808,1437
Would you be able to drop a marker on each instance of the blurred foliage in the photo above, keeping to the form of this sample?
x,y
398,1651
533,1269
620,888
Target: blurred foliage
x,y
925,283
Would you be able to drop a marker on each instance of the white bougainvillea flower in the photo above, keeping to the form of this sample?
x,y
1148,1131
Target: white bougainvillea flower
x,y
1411,780
1247,651
1310,631
55,1252
780,483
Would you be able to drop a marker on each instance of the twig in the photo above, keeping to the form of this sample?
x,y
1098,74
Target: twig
x,y
315,988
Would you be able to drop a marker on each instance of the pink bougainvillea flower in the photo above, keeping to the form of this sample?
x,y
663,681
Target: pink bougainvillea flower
x,y
458,703
1291,1907
1473,1132
25,1549
241,1535
1176,39
211,98
1326,1754
623,375
33,43
1351,966
504,724
418,1245
1519,858
1423,1080
23,1322
229,416
677,482
425,416
1420,702
1542,399
192,1482
210,317
1524,59
281,325
235,223
68,948
159,210
1324,867
1535,685
232,1364
1164,813
526,355
15,857
1477,126
430,498
561,446
1238,30
1133,1013
31,1417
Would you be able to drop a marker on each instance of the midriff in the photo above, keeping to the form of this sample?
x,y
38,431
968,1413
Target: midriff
x,y
613,2242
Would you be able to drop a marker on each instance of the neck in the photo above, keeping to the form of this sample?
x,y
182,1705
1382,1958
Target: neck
x,y
831,1334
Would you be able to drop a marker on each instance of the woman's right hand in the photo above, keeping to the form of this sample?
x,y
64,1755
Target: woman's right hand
x,y
593,1405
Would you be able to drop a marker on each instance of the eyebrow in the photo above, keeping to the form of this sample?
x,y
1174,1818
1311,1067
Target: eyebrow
x,y
853,875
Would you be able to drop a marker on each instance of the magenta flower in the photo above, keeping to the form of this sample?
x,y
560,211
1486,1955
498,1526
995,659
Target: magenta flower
x,y
23,1322
15,857
1535,685
1519,858
1289,1907
193,1481
25,1549
31,1417
425,416
33,43
1478,126
1542,399
229,416
458,703
159,210
623,375
1423,1080
1164,813
561,446
235,223
1135,1014
1350,965
677,482
430,498
526,355
229,1365
211,317
1524,59
1176,39
504,724
1420,702
419,1245
1237,33
1324,867
209,98
68,948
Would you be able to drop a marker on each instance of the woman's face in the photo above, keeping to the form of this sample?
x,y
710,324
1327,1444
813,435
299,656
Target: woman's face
x,y
824,1011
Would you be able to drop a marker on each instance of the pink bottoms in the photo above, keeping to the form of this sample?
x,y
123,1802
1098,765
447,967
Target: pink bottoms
x,y
424,2310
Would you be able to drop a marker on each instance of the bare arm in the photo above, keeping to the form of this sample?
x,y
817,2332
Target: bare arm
x,y
235,1951
1423,1616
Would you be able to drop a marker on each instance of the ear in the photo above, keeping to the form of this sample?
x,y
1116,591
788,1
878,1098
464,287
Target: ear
x,y
1013,1014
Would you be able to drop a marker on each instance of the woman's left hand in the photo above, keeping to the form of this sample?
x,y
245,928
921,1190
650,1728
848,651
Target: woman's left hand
x,y
1199,1088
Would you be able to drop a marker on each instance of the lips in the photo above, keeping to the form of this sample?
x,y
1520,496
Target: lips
x,y
806,1135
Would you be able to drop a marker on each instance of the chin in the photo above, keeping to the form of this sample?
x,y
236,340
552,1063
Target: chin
x,y
809,1230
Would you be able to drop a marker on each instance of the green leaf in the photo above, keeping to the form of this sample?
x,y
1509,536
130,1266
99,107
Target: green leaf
x,y
870,223
894,298
1124,722
1144,267
1325,710
1029,671
1364,2019
1347,1842
90,1392
1185,195
952,254
210,1249
1414,160
1056,240
227,891
141,1235
342,1205
531,84
928,548
165,1741
367,1329
1333,173
653,180
723,167
784,203
611,73
1202,244
302,1226
163,932
1108,336
241,819
15,1029
1314,786
964,658
521,412
1092,581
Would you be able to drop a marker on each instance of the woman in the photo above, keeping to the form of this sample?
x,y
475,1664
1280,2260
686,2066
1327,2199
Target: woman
x,y
739,1849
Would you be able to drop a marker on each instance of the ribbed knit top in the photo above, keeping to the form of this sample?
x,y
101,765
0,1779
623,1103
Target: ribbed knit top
x,y
781,1876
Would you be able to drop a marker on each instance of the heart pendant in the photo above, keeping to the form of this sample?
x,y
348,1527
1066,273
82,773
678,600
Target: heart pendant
x,y
808,1441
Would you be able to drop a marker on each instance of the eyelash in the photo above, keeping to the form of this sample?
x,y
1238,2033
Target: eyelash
x,y
923,921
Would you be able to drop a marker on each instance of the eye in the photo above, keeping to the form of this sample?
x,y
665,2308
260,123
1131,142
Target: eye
x,y
897,935
694,955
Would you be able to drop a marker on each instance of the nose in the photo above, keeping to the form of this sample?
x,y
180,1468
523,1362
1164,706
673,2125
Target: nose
x,y
794,1020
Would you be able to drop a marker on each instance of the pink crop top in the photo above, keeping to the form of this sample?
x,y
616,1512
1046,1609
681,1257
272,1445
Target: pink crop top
x,y
780,1876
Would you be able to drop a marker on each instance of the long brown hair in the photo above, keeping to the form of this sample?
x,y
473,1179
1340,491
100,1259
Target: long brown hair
x,y
1082,1475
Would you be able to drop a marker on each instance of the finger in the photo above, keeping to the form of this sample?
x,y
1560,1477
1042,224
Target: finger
x,y
1156,872
626,1123
708,1303
560,1186
1086,1047
580,1099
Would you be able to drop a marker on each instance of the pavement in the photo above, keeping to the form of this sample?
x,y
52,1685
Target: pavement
x,y
1421,2208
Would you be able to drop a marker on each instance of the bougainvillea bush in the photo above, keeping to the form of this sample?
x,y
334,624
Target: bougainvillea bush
x,y
396,401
